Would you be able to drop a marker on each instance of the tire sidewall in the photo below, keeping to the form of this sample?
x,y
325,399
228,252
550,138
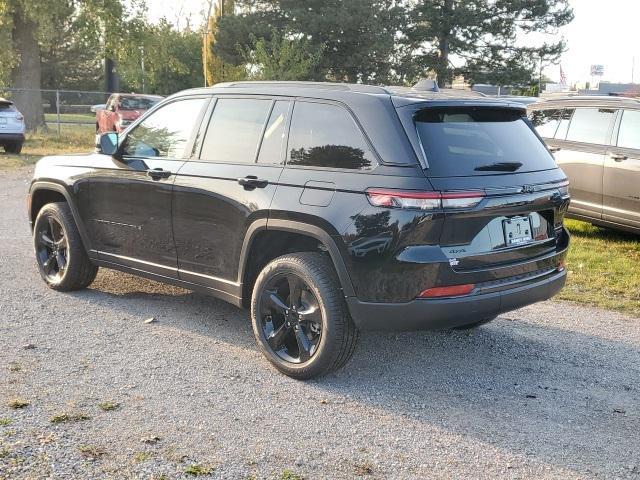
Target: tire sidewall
x,y
322,358
51,210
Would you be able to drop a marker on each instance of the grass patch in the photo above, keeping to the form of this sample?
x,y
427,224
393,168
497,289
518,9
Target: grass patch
x,y
15,367
142,457
52,118
18,403
69,417
72,139
197,470
92,452
109,406
603,268
289,475
5,421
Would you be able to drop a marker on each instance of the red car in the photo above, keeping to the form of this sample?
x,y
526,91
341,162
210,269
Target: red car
x,y
122,109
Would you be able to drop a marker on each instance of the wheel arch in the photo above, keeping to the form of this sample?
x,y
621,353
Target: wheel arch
x,y
43,192
297,231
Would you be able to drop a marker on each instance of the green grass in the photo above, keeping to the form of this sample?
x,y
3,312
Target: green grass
x,y
603,268
72,139
52,118
197,470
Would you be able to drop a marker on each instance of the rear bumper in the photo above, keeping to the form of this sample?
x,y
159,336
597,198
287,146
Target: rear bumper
x,y
427,314
11,137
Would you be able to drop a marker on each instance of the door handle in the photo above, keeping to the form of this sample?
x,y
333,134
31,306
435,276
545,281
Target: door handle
x,y
251,182
158,173
554,149
618,157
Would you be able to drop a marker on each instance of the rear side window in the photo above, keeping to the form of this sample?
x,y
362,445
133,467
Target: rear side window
x,y
324,135
565,120
234,130
464,141
274,134
546,122
590,125
629,134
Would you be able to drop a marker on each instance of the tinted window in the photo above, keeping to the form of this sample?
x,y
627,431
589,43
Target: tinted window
x,y
234,130
274,134
590,125
475,141
137,103
166,131
629,134
325,135
565,119
546,122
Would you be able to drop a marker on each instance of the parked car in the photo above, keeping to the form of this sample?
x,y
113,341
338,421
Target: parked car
x,y
11,127
122,109
263,194
596,141
96,108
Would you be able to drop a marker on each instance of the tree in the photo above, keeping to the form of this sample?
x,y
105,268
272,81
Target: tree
x,y
483,33
357,38
281,58
215,70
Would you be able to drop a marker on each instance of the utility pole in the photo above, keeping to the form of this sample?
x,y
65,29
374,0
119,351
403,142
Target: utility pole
x,y
142,66
205,49
540,78
221,60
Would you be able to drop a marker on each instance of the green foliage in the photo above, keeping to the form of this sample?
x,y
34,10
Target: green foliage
x,y
216,69
281,58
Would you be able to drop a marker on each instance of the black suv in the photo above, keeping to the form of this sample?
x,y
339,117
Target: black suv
x,y
326,208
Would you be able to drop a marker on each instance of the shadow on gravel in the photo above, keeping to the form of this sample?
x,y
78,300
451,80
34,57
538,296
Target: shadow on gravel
x,y
559,396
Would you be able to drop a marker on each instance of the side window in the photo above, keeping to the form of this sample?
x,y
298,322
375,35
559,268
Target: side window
x,y
546,122
325,135
274,134
629,133
590,125
234,130
563,127
166,132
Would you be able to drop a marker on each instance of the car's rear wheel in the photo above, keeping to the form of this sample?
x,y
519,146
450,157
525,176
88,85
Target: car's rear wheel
x,y
15,147
299,316
62,260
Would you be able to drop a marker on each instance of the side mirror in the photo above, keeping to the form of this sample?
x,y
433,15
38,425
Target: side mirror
x,y
109,143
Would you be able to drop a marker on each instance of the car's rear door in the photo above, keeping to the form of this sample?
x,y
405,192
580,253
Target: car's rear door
x,y
621,184
130,196
580,152
220,192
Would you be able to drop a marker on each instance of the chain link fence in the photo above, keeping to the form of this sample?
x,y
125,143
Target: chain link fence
x,y
62,108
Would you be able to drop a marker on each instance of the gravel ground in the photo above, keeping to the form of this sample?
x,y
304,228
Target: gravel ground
x,y
549,391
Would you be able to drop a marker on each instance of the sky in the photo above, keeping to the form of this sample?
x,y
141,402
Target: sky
x,y
604,32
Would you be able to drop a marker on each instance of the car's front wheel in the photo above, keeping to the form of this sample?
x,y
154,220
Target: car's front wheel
x,y
300,318
15,147
62,260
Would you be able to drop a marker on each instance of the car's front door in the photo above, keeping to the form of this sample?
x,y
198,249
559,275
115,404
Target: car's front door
x,y
130,195
621,184
220,194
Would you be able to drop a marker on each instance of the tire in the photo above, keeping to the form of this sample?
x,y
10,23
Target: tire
x,y
477,324
15,148
61,257
320,315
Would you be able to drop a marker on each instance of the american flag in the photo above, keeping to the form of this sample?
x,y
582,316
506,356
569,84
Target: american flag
x,y
563,77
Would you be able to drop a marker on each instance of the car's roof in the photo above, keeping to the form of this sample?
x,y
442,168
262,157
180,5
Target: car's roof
x,y
587,101
345,91
4,100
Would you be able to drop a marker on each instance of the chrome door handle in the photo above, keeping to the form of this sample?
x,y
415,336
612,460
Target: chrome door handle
x,y
251,182
158,173
555,149
618,157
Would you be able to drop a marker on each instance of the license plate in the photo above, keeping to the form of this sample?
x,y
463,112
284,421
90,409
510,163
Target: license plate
x,y
517,230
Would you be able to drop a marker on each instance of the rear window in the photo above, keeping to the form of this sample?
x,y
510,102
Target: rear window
x,y
479,141
137,103
7,107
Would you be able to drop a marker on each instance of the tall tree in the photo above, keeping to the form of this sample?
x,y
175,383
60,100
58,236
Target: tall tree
x,y
357,37
483,34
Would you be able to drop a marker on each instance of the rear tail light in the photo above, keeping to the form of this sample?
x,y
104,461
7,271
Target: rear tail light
x,y
19,117
379,197
450,291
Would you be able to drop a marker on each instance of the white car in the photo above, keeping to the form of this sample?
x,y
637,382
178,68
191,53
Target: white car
x,y
11,127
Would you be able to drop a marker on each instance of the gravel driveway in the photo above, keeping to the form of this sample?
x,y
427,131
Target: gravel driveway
x,y
550,391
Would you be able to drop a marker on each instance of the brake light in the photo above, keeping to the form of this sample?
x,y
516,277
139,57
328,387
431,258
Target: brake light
x,y
450,291
379,197
19,117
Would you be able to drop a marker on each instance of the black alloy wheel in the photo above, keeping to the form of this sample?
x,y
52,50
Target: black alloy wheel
x,y
52,249
290,318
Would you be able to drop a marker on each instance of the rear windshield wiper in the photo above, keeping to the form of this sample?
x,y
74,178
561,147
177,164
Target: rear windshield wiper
x,y
499,167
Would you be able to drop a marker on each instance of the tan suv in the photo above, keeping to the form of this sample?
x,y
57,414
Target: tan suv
x,y
596,141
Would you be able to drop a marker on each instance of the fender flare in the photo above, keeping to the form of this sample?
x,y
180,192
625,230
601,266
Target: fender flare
x,y
307,229
56,187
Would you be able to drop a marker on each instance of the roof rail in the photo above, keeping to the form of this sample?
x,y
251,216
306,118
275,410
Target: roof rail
x,y
353,87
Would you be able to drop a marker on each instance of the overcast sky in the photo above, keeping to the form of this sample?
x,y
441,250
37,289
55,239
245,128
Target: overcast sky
x,y
604,32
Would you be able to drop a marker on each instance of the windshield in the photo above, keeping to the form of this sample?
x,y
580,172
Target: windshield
x,y
464,141
137,103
